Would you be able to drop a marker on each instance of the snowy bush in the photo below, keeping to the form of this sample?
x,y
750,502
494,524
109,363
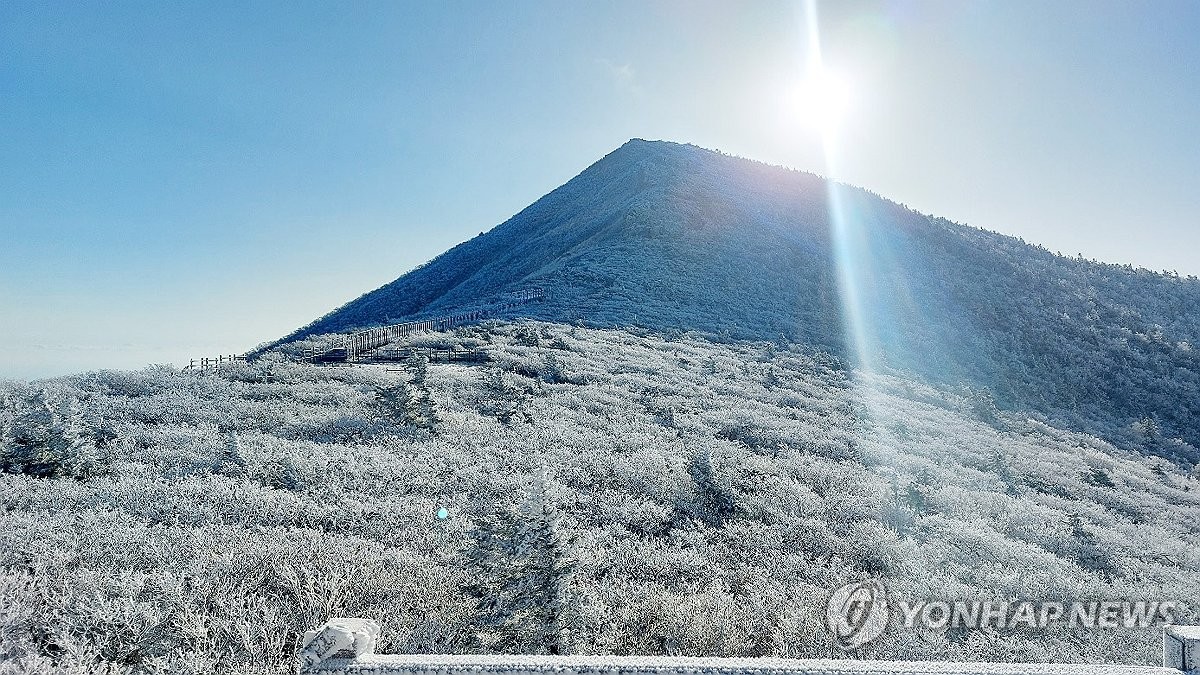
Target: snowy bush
x,y
690,505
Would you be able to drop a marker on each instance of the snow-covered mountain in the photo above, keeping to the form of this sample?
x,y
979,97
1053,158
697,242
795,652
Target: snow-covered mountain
x,y
671,236
696,486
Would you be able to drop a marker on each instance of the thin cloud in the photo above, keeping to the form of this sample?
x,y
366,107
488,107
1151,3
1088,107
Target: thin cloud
x,y
623,76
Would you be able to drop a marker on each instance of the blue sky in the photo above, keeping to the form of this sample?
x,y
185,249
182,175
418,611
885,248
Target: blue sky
x,y
182,180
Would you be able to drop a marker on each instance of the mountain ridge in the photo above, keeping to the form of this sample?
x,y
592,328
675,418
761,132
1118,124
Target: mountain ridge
x,y
674,237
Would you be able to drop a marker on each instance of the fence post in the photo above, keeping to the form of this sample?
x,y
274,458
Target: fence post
x,y
1181,648
339,638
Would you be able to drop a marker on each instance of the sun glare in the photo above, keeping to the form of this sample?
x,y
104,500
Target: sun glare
x,y
824,97
824,100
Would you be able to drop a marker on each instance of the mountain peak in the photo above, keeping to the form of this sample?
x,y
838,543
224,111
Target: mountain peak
x,y
675,237
628,240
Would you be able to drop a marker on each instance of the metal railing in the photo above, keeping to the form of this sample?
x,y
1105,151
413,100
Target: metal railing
x,y
345,646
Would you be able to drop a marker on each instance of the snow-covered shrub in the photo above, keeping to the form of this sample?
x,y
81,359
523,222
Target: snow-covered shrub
x,y
682,541
45,438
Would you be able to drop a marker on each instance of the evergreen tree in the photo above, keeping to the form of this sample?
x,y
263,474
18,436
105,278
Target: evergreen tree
x,y
770,351
1000,466
527,336
984,406
1160,470
418,365
915,497
425,412
27,444
771,379
500,399
714,504
397,403
71,442
522,579
1089,552
552,371
1099,477
667,416
410,403
231,462
1149,434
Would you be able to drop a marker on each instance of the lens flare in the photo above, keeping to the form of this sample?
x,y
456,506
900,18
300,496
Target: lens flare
x,y
829,97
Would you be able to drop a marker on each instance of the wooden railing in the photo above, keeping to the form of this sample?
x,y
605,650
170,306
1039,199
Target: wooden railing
x,y
214,362
352,346
431,354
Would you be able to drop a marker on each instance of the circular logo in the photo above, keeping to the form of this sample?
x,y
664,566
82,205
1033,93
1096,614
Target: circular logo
x,y
857,613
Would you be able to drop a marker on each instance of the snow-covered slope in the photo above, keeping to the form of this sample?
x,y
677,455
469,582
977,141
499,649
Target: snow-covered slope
x,y
692,498
647,235
672,236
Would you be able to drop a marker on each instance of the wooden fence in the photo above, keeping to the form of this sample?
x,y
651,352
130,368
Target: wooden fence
x,y
354,345
214,362
431,354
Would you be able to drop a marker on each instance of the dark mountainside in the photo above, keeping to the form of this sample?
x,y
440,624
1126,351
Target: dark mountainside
x,y
670,236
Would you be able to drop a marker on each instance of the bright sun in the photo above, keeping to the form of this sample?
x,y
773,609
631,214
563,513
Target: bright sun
x,y
824,98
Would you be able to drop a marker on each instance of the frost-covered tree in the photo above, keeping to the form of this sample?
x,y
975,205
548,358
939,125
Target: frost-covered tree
x,y
281,474
230,462
770,351
1149,436
771,379
499,399
713,502
1000,465
418,366
396,403
424,410
1098,477
667,416
521,578
410,403
984,406
552,370
1088,551
45,440
527,336
72,443
28,441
